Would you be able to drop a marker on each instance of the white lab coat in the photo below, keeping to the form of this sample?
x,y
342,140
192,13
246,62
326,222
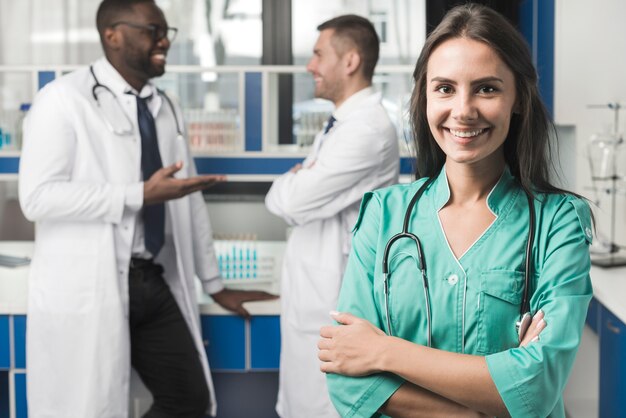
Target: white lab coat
x,y
321,202
81,184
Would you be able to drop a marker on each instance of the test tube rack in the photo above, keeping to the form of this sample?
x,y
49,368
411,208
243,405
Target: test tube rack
x,y
240,261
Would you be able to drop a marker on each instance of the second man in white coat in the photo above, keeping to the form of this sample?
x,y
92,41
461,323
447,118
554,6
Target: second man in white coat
x,y
356,152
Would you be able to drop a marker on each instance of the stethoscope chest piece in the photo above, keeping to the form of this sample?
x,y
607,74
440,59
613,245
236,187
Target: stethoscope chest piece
x,y
522,325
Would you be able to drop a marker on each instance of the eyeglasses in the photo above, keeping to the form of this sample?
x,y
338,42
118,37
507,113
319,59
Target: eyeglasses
x,y
156,32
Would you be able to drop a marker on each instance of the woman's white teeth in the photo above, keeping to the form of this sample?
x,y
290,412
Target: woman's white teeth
x,y
466,134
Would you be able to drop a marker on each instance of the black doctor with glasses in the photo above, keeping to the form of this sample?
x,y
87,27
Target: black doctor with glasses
x,y
121,233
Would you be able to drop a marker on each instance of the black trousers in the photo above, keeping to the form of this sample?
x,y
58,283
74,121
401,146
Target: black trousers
x,y
162,349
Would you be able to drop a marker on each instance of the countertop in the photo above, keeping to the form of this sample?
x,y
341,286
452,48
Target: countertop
x,y
609,288
609,285
14,284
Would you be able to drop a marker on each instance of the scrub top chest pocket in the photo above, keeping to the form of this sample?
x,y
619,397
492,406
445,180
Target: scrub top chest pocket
x,y
500,295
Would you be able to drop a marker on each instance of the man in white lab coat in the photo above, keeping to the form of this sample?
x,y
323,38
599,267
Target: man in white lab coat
x,y
355,153
121,231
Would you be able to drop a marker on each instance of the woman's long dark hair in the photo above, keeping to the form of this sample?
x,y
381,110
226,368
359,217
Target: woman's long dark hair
x,y
527,147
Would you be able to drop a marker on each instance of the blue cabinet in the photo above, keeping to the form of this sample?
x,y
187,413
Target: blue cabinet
x,y
612,333
19,341
5,343
265,342
233,344
19,384
225,342
250,349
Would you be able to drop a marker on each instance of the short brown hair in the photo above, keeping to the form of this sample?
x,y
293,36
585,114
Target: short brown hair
x,y
359,32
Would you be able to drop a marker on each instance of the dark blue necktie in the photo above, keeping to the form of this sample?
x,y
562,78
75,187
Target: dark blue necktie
x,y
153,215
329,124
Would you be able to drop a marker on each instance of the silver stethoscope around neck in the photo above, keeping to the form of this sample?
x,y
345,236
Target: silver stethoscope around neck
x,y
128,129
525,319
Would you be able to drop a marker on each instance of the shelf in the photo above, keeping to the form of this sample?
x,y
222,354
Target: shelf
x,y
261,158
252,166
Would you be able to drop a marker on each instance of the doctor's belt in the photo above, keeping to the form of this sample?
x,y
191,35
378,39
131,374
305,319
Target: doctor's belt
x,y
142,264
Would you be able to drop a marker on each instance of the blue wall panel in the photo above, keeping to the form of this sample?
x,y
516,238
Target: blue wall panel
x,y
254,112
220,165
407,165
45,77
545,53
264,165
536,22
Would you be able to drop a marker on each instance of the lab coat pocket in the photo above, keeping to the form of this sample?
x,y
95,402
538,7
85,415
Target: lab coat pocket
x,y
499,306
66,276
312,292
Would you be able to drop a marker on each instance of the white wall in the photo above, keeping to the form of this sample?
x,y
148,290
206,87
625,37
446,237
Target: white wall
x,y
590,68
231,218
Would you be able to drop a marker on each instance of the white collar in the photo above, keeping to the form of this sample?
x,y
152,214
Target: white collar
x,y
355,101
110,77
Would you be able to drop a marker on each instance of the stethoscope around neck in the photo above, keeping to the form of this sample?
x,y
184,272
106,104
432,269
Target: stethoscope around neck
x,y
129,129
524,318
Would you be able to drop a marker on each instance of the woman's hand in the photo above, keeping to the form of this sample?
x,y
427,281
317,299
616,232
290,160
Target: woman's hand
x,y
536,326
354,348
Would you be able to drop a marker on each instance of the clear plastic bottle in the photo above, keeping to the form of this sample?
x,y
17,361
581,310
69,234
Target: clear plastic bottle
x,y
24,108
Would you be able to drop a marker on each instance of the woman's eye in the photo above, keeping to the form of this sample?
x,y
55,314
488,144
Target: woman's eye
x,y
444,89
487,89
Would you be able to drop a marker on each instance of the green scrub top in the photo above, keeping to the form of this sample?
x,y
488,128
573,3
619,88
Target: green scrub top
x,y
475,300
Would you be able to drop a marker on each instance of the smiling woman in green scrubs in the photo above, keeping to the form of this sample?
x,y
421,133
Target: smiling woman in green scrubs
x,y
482,138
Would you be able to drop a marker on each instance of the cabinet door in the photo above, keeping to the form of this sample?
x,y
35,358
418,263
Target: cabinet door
x,y
5,341
225,342
19,395
4,394
612,366
19,341
265,342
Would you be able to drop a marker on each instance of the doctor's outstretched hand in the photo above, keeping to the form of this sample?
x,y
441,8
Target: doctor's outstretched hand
x,y
163,186
232,300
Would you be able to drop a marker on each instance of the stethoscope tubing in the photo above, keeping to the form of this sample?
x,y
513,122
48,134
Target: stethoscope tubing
x,y
524,318
420,260
97,84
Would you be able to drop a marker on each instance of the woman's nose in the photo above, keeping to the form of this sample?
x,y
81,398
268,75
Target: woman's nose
x,y
464,108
